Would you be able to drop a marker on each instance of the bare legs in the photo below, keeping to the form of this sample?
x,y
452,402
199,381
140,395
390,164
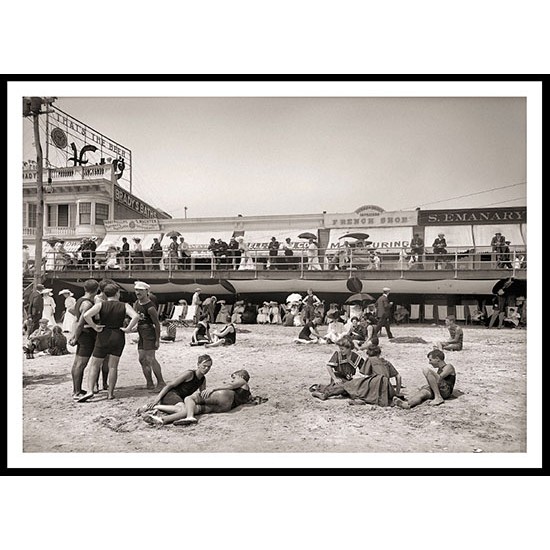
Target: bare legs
x,y
77,373
424,394
150,366
93,375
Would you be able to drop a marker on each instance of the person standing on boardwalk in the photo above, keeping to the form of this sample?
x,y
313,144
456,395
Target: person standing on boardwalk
x,y
383,311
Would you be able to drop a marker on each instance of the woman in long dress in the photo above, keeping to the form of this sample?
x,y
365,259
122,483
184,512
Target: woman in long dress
x,y
49,307
246,260
274,313
68,318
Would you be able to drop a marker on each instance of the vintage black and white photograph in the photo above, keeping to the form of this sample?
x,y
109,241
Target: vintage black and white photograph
x,y
302,271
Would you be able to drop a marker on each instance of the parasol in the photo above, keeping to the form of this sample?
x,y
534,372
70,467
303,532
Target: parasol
x,y
171,234
52,241
359,297
307,235
294,297
510,286
360,236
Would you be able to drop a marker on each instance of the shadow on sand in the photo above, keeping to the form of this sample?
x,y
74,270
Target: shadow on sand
x,y
45,379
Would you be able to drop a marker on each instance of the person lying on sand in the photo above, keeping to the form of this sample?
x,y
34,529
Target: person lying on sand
x,y
441,379
216,400
171,398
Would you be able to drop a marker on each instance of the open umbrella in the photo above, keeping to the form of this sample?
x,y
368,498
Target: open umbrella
x,y
360,236
52,241
173,234
307,235
295,297
359,297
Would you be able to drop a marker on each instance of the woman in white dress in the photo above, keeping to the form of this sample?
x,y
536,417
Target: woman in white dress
x,y
274,313
68,318
263,314
238,310
49,307
246,260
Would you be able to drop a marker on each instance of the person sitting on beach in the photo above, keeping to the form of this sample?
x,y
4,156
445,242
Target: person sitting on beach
x,y
218,400
356,332
201,334
58,342
39,340
372,387
335,329
171,398
456,333
223,337
344,363
168,331
309,333
441,379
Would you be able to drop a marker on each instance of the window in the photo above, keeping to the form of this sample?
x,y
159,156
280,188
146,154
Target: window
x,y
85,213
101,213
31,215
52,215
58,215
63,215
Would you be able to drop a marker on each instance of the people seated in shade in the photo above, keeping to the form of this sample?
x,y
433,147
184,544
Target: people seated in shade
x,y
441,378
39,340
274,313
335,329
201,334
226,336
238,310
455,342
309,333
373,386
263,314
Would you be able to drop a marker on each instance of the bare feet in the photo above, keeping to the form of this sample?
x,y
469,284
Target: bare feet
x,y
160,385
85,397
319,395
150,386
153,420
435,402
401,403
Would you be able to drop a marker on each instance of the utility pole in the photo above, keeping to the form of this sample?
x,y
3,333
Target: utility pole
x,y
185,211
32,106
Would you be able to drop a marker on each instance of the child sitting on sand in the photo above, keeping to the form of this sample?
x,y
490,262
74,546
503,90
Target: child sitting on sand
x,y
309,333
201,334
441,379
58,342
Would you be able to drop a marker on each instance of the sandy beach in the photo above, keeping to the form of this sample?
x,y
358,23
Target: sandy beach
x,y
487,413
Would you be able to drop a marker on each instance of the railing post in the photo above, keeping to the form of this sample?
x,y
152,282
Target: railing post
x,y
456,263
514,263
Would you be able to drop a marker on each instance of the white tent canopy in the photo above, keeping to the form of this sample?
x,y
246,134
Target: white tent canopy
x,y
199,241
384,239
258,240
455,235
484,233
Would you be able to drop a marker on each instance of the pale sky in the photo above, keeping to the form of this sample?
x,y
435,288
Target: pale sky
x,y
223,156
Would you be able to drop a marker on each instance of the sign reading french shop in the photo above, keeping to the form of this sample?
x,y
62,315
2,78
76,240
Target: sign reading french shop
x,y
128,200
371,216
145,224
473,216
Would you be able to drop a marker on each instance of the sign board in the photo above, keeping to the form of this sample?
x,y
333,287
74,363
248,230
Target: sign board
x,y
473,216
130,201
143,224
371,218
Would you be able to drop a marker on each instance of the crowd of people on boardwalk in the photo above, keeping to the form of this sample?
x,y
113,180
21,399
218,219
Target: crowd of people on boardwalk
x,y
237,254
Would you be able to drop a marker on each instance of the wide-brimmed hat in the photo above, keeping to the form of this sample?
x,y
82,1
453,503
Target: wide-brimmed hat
x,y
46,291
66,291
386,289
198,289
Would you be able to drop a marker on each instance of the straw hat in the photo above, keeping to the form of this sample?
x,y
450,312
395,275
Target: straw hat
x,y
46,291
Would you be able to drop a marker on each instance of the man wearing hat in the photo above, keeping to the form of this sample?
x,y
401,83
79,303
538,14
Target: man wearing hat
x,y
383,311
148,328
439,247
498,242
36,306
156,254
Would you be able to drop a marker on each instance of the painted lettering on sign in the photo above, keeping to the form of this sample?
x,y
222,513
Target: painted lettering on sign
x,y
374,219
473,216
123,197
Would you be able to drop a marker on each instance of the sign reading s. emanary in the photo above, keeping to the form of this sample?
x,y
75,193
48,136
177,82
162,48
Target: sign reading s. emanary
x,y
75,143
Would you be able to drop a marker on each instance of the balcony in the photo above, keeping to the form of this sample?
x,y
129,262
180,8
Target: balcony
x,y
71,173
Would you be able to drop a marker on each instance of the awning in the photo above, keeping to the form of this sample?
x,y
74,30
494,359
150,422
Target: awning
x,y
199,241
147,240
258,240
384,239
455,235
484,233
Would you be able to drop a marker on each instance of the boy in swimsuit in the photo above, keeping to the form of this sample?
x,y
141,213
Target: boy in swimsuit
x,y
441,378
218,400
